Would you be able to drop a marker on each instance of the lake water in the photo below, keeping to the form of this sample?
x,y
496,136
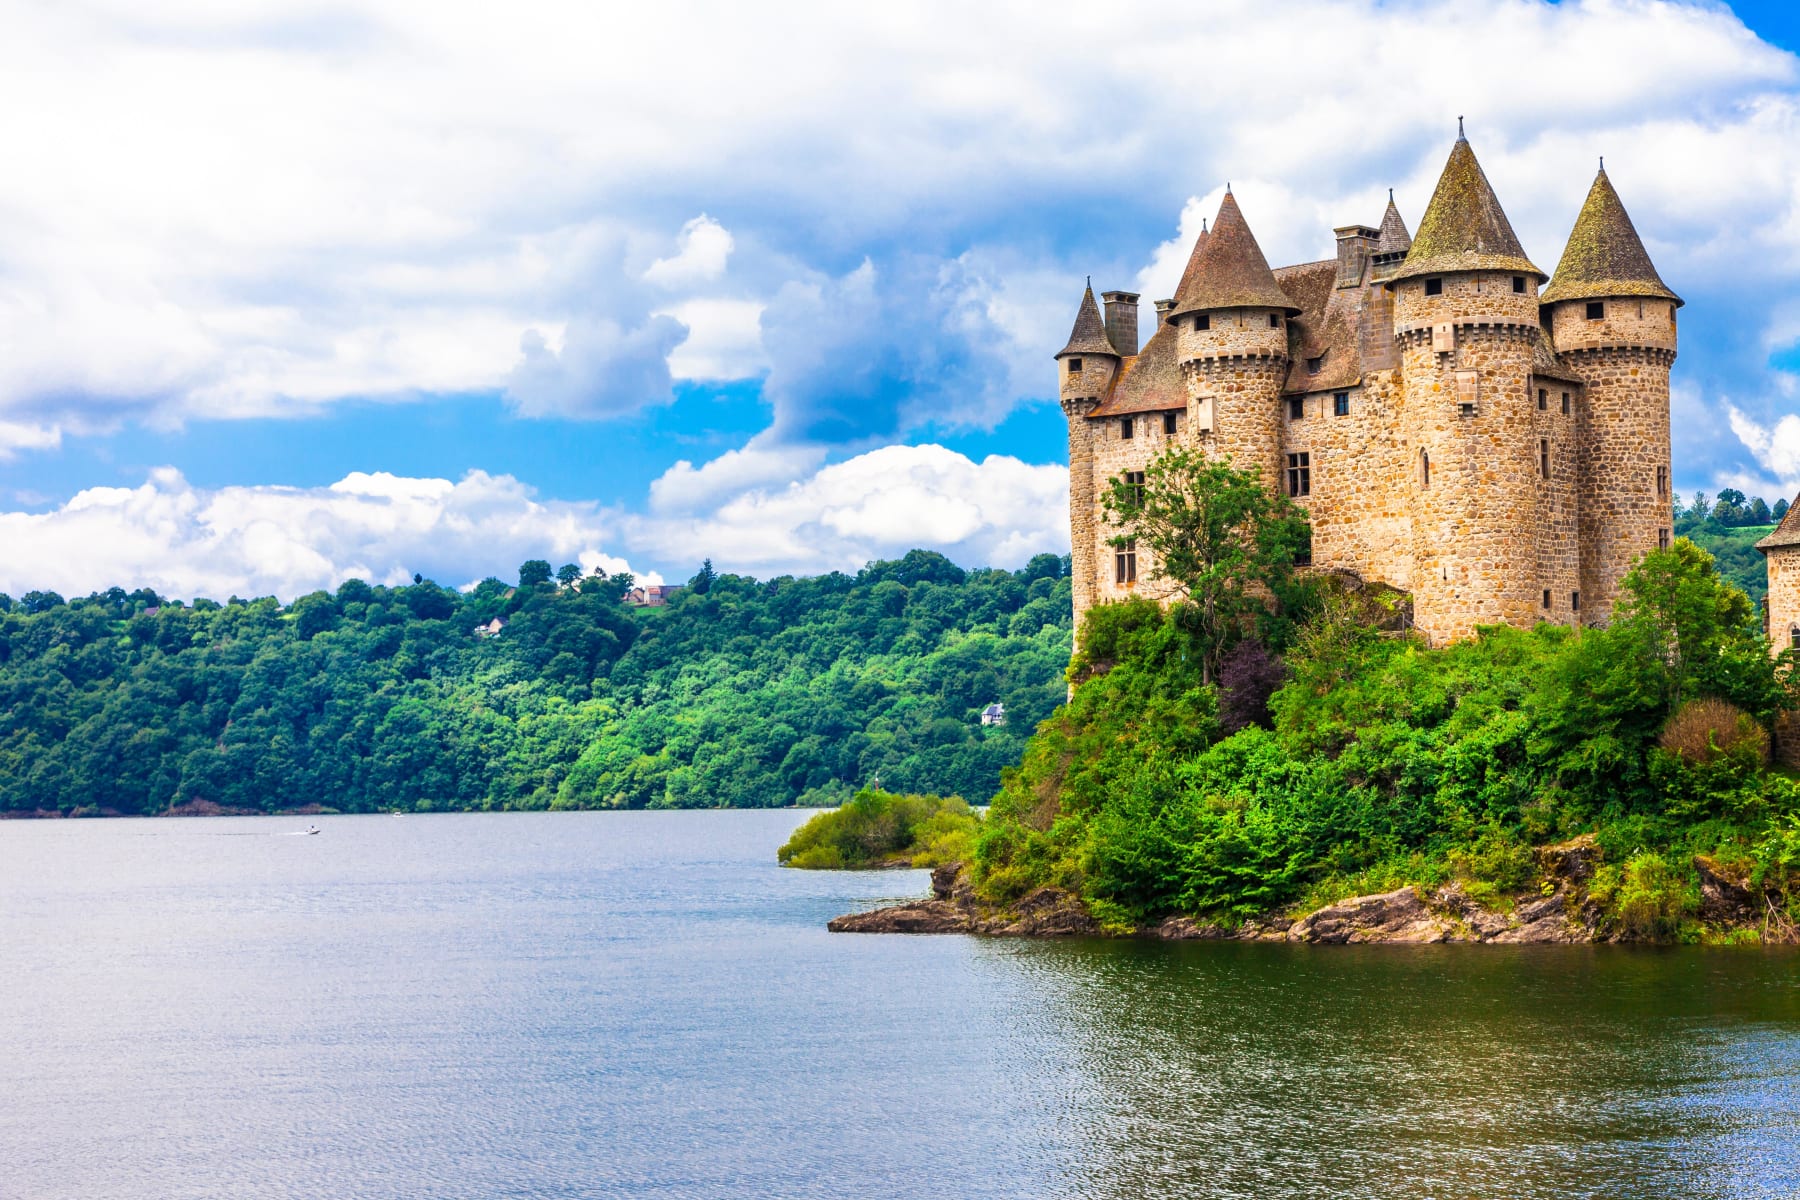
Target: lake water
x,y
642,1004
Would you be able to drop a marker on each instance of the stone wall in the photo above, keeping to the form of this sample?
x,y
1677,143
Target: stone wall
x,y
1111,455
1784,620
1361,501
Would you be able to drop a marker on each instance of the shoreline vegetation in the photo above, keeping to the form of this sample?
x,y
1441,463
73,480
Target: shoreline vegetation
x,y
1282,759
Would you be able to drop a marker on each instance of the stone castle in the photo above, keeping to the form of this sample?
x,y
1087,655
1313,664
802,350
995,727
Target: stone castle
x,y
1454,428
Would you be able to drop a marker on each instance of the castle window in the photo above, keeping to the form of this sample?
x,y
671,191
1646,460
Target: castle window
x,y
1300,474
1575,601
1546,597
1519,287
1662,481
1296,407
1274,320
1074,366
1169,424
1565,404
1202,323
1794,637
1640,308
1134,486
1340,404
1434,287
1662,539
1671,314
1467,409
1544,457
1125,428
1125,562
1424,469
1313,364
1543,399
1596,310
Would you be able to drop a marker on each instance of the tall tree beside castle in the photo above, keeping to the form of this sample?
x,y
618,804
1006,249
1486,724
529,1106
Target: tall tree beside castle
x,y
1497,450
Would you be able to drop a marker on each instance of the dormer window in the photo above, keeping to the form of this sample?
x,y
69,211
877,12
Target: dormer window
x,y
1596,310
1434,287
1519,284
1074,366
1313,364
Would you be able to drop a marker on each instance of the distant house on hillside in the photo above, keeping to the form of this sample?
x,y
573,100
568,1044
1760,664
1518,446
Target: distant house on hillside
x,y
492,628
651,596
994,714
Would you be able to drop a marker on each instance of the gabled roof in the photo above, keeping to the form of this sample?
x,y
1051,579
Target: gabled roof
x,y
1089,334
1464,227
1605,256
1393,238
1785,534
1229,270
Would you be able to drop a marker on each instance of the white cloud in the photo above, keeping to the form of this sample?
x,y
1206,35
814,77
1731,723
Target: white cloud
x,y
1776,448
21,435
724,339
188,541
704,247
999,512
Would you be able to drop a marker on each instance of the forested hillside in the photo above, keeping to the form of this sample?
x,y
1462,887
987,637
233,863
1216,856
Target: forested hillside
x,y
738,693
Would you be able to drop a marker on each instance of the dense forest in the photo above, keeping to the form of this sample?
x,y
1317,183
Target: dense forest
x,y
738,693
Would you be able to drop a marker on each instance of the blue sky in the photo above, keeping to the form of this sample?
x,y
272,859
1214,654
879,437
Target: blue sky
x,y
289,293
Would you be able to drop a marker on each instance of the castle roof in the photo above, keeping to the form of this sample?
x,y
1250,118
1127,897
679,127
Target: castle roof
x,y
1464,227
1393,238
1089,334
1229,270
1148,382
1785,534
1325,332
1190,274
1544,360
1605,256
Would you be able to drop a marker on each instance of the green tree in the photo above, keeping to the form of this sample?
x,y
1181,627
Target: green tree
x,y
1217,535
703,579
534,572
568,574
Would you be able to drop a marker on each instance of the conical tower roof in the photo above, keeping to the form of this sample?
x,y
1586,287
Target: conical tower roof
x,y
1229,270
1464,227
1605,256
1393,238
1089,334
1191,273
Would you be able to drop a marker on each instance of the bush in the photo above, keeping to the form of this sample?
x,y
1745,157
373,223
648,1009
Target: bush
x,y
1647,898
879,829
1709,728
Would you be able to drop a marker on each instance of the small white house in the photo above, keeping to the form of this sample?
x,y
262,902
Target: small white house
x,y
994,714
492,628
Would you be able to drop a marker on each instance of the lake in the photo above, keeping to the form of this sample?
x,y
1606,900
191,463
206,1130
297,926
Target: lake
x,y
643,1004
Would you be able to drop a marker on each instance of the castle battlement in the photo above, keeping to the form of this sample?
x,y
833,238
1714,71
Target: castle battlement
x,y
1499,451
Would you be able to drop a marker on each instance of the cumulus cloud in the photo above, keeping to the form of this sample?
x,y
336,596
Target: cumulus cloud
x,y
704,247
998,511
1775,447
188,541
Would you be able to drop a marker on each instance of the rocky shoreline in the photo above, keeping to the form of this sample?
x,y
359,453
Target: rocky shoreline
x,y
1564,915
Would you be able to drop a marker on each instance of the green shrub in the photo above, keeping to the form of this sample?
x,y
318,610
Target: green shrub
x,y
884,829
1647,898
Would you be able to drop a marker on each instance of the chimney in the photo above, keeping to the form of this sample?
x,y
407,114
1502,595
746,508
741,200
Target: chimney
x,y
1162,311
1121,321
1354,245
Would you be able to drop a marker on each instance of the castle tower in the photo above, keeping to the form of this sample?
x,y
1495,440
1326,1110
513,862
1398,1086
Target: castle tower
x,y
1782,613
1493,483
1085,369
1613,321
1231,321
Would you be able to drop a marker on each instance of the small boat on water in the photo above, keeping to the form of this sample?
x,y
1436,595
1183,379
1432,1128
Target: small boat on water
x,y
313,829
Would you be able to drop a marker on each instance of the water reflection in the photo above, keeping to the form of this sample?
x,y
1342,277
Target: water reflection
x,y
1260,1071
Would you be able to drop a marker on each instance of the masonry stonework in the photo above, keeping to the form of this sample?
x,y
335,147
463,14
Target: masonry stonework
x,y
1499,451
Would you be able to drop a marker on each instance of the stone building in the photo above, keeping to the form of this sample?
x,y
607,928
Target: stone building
x,y
1781,550
1455,429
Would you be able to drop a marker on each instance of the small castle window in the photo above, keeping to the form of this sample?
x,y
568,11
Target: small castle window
x,y
1519,287
1313,364
1300,474
1544,457
1565,404
1794,637
1467,409
1125,562
1546,597
1662,481
1543,399
1134,486
1424,469
1596,310
1575,601
1671,314
1125,428
1640,308
1274,320
1202,323
1296,407
1340,404
1434,287
1662,539
1074,366
1169,424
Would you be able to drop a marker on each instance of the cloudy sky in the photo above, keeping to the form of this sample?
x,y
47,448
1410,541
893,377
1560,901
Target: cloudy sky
x,y
296,291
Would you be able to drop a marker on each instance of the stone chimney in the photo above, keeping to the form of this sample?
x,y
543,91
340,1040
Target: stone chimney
x,y
1162,311
1354,245
1121,321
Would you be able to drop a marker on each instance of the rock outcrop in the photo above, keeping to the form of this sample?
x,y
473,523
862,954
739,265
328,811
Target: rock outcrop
x,y
953,908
